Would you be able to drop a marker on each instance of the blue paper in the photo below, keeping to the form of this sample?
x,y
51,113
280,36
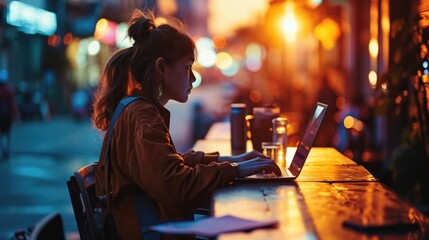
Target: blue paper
x,y
213,226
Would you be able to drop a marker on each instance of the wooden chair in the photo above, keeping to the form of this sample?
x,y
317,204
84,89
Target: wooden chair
x,y
82,194
50,227
81,188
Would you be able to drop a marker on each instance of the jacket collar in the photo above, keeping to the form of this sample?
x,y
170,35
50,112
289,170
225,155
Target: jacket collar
x,y
165,114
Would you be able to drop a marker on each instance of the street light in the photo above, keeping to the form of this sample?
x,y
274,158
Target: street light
x,y
289,23
289,27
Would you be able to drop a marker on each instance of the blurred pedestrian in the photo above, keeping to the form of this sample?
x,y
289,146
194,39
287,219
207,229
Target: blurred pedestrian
x,y
8,112
143,158
201,121
349,138
328,95
80,104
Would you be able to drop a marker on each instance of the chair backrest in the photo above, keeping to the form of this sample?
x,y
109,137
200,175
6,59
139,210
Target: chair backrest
x,y
83,197
50,227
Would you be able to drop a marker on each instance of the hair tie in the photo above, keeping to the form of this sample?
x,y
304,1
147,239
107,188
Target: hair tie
x,y
152,27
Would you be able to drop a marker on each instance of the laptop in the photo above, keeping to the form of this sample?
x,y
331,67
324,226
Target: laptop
x,y
302,150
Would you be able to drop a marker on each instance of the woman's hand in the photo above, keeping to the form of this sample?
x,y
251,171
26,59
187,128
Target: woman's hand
x,y
256,165
242,157
252,162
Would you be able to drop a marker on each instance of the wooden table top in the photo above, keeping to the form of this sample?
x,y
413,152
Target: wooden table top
x,y
330,190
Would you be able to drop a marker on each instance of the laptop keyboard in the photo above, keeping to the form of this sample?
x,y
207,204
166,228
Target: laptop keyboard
x,y
264,174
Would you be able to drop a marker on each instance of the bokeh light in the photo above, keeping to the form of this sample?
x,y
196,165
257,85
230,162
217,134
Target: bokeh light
x,y
224,60
68,37
289,23
219,41
198,79
232,70
353,123
94,47
105,31
372,78
54,40
160,21
314,3
206,52
122,39
254,57
327,32
373,48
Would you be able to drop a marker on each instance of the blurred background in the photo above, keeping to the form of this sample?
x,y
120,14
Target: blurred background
x,y
367,59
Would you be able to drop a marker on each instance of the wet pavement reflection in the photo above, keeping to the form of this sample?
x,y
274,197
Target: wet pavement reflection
x,y
33,180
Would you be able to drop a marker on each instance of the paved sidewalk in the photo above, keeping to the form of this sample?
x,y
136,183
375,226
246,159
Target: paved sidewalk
x,y
63,136
33,179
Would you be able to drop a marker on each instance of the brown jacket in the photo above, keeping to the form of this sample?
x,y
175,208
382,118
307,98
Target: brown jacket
x,y
143,156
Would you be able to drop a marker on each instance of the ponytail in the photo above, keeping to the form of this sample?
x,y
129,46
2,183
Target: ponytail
x,y
112,88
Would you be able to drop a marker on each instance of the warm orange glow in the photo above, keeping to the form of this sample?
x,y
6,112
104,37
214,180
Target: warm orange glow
x,y
373,47
385,28
167,7
314,3
71,52
340,102
358,126
160,21
372,78
219,41
101,28
373,14
327,32
224,60
353,123
423,51
68,38
348,122
289,23
374,35
105,31
255,96
226,16
54,40
398,99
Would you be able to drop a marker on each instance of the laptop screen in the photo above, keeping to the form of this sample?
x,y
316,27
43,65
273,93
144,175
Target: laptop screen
x,y
304,146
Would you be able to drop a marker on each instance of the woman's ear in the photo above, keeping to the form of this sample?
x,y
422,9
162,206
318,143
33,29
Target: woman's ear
x,y
160,66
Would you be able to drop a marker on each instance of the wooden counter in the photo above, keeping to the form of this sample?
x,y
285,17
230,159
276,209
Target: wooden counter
x,y
330,190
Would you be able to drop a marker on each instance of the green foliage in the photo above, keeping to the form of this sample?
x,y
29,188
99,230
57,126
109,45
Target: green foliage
x,y
400,97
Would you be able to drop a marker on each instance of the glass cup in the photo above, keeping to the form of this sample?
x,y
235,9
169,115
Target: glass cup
x,y
280,136
271,149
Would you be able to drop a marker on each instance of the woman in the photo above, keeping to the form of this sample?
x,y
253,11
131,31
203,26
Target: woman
x,y
158,67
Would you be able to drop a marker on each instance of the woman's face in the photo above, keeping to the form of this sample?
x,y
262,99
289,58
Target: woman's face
x,y
178,79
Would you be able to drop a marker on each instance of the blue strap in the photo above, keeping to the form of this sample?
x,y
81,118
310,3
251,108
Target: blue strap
x,y
121,106
145,205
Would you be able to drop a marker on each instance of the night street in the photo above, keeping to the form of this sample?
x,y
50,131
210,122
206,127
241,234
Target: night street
x,y
33,179
344,84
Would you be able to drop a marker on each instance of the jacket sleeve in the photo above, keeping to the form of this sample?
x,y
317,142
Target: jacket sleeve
x,y
192,158
159,170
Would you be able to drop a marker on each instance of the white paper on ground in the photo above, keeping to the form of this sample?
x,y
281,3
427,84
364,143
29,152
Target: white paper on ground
x,y
212,226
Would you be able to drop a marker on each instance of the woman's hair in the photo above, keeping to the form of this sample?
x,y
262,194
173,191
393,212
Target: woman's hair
x,y
137,63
